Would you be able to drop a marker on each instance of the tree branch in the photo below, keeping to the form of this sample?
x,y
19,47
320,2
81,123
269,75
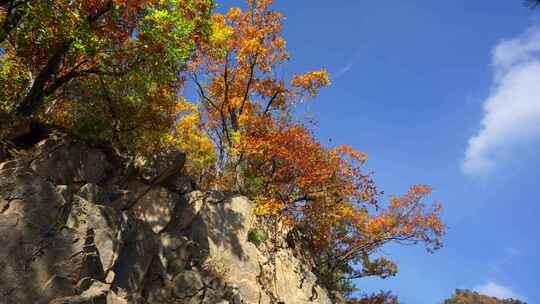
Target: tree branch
x,y
271,101
202,94
248,86
13,17
34,99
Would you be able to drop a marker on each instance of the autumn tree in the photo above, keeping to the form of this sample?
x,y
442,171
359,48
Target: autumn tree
x,y
326,195
115,69
104,67
376,298
234,75
463,296
263,151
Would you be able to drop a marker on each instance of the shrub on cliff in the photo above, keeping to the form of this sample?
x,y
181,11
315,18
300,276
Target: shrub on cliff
x,y
463,296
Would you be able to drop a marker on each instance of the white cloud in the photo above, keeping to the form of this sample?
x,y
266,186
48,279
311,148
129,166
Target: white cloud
x,y
493,289
512,110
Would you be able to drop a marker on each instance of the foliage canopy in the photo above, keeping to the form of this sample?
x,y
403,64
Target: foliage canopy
x,y
109,68
115,70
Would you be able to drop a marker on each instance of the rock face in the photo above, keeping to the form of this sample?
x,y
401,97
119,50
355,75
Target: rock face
x,y
67,236
64,162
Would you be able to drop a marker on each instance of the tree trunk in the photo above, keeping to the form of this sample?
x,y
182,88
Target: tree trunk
x,y
36,96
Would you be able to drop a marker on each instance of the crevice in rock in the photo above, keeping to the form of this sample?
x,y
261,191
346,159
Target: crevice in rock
x,y
5,207
9,291
30,134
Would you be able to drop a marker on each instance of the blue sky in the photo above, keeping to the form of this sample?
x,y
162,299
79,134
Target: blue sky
x,y
445,93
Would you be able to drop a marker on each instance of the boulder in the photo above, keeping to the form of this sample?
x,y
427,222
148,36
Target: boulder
x,y
176,252
220,230
86,262
188,284
124,245
57,286
167,164
65,163
158,285
294,283
111,229
66,193
97,293
189,208
32,247
140,249
179,183
156,207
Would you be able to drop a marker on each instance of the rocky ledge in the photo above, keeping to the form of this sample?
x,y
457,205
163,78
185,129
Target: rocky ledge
x,y
76,228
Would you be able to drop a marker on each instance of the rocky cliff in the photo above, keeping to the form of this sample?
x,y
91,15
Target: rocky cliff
x,y
77,226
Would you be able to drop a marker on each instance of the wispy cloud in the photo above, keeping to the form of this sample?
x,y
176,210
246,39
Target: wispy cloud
x,y
345,69
493,289
507,259
512,110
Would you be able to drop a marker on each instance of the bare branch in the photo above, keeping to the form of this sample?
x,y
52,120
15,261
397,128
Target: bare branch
x,y
248,86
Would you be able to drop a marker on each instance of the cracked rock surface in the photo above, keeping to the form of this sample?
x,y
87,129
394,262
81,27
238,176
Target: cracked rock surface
x,y
67,236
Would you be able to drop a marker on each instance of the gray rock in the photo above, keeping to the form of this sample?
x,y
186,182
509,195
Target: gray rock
x,y
294,283
124,244
221,230
139,251
188,284
176,252
189,208
97,293
4,205
92,193
179,183
57,286
111,228
237,298
156,207
65,163
66,193
62,244
30,197
31,245
86,262
170,163
157,286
